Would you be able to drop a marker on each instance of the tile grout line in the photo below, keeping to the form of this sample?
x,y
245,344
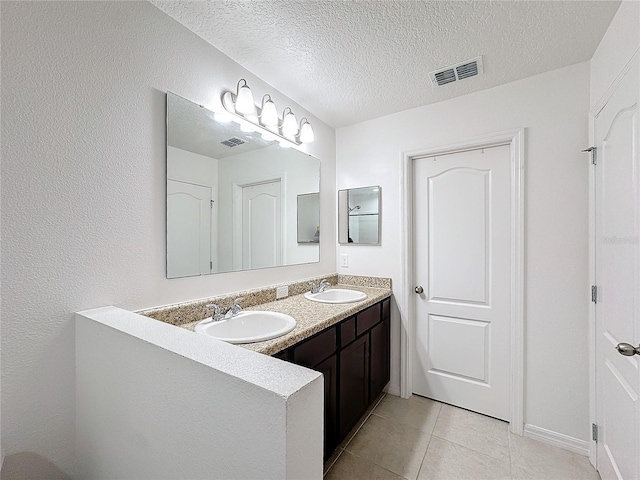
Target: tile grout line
x,y
379,466
344,449
429,442
370,412
334,462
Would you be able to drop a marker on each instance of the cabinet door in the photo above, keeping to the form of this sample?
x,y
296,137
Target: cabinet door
x,y
380,368
354,383
329,369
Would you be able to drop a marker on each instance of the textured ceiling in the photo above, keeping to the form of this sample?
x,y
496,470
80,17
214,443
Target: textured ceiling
x,y
349,61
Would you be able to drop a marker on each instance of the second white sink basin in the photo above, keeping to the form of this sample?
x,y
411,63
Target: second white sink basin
x,y
248,326
336,295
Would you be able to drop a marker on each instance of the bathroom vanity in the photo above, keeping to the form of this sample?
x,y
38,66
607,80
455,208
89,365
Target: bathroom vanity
x,y
349,343
353,356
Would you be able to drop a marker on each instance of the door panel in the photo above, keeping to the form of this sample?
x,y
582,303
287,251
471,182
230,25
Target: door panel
x,y
458,243
618,280
462,250
445,333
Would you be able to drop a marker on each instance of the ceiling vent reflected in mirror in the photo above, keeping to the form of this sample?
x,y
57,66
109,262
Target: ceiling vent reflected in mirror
x,y
459,71
232,142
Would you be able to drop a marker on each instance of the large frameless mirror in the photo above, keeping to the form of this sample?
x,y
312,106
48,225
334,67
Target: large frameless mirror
x,y
359,216
233,197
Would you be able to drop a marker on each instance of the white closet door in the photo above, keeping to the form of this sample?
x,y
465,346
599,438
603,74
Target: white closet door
x,y
617,173
462,253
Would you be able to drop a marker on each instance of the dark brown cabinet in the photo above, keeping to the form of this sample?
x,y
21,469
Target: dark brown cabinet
x,y
329,369
354,384
353,357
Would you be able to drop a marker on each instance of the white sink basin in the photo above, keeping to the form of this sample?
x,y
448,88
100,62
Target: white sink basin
x,y
248,327
336,295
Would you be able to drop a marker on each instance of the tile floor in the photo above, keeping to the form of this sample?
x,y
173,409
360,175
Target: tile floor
x,y
419,439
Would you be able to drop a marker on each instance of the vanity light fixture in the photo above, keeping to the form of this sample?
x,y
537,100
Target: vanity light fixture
x,y
244,99
289,123
241,109
306,132
268,113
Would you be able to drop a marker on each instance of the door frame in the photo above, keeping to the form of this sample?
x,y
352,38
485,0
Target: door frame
x,y
593,113
515,139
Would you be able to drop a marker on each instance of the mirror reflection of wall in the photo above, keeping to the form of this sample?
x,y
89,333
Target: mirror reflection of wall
x,y
359,216
231,196
309,218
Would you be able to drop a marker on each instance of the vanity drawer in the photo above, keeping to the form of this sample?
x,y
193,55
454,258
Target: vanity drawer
x,y
367,319
347,331
311,352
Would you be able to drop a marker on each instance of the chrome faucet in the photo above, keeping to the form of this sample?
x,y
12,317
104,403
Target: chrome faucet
x,y
235,308
320,287
217,313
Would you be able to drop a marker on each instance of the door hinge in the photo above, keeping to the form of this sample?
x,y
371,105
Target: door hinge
x,y
594,432
594,154
211,265
594,294
211,203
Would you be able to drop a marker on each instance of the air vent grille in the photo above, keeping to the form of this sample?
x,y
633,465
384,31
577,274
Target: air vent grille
x,y
445,77
467,70
460,71
232,142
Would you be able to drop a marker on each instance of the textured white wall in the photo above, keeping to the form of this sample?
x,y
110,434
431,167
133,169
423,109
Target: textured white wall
x,y
617,47
553,108
83,191
230,413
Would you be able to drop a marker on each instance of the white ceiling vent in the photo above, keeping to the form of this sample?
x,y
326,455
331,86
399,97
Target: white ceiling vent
x,y
232,142
459,71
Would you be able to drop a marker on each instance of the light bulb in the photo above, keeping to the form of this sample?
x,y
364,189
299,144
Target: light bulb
x,y
244,99
306,132
269,114
289,124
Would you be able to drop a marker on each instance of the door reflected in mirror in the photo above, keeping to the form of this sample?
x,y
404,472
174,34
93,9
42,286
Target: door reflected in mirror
x,y
359,216
233,197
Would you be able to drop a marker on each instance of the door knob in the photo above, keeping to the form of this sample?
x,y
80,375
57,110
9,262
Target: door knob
x,y
419,290
628,350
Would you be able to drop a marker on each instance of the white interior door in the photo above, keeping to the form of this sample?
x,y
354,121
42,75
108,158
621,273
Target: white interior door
x,y
261,225
188,229
462,263
617,175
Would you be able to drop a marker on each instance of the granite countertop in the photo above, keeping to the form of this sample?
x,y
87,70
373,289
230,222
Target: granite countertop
x,y
311,317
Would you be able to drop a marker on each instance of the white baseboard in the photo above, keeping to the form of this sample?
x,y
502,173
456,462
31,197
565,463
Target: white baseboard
x,y
557,439
393,390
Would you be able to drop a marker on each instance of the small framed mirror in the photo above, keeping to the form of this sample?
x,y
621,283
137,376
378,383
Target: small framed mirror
x,y
309,218
359,216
